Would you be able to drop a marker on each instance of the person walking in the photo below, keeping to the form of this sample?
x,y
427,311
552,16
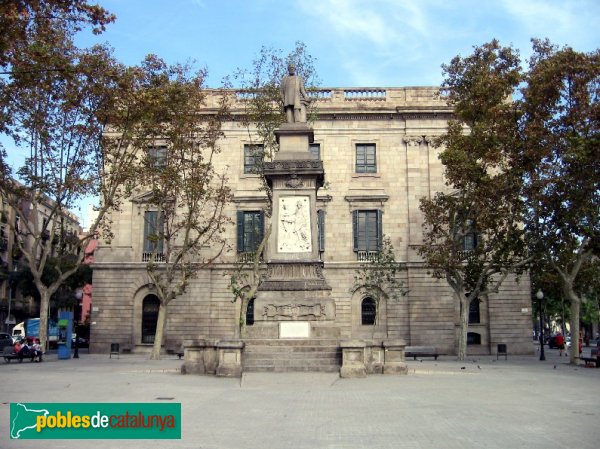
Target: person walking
x,y
560,342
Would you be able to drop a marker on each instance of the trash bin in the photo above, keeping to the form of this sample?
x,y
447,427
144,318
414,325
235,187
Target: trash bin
x,y
114,349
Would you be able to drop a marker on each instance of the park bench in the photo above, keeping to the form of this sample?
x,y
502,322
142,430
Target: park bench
x,y
421,351
590,357
178,353
9,355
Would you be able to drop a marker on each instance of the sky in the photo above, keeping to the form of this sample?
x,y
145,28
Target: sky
x,y
356,43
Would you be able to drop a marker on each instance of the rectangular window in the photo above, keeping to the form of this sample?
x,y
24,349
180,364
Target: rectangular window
x,y
367,230
469,240
253,156
315,150
365,158
250,227
153,230
157,156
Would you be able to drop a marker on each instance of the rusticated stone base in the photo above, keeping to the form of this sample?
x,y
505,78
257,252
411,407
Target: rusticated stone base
x,y
353,359
200,356
394,362
229,358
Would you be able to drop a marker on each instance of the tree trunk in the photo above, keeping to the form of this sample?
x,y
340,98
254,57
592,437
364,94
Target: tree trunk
x,y
464,326
160,331
44,306
574,352
237,333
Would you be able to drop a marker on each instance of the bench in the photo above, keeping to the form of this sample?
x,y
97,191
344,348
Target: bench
x,y
420,351
9,355
178,353
591,358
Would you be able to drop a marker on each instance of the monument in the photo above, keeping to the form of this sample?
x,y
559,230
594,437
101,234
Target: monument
x,y
295,300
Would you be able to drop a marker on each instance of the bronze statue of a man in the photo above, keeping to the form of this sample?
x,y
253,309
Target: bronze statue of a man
x,y
295,98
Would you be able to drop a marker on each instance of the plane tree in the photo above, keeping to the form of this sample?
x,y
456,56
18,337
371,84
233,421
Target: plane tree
x,y
562,181
473,236
179,188
54,102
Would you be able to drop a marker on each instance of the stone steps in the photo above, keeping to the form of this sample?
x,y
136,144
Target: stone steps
x,y
291,355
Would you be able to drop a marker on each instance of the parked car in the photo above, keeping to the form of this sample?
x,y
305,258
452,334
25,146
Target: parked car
x,y
5,340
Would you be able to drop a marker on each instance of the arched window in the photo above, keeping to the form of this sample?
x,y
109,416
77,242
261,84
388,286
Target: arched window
x,y
150,308
250,312
368,310
473,338
474,317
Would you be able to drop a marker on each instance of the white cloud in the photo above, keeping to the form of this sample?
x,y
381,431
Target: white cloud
x,y
569,22
392,32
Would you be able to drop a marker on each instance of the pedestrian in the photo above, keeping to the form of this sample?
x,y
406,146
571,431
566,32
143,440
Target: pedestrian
x,y
560,342
37,350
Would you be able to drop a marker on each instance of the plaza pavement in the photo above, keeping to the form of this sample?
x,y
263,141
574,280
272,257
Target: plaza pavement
x,y
480,403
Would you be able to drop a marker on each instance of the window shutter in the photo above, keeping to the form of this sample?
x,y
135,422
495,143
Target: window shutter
x,y
160,231
147,231
261,227
379,230
240,231
321,229
355,230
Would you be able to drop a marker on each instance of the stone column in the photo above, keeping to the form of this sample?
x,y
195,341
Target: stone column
x,y
353,359
375,357
210,357
193,356
229,358
394,362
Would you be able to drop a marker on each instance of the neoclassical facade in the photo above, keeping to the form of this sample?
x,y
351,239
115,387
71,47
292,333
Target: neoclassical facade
x,y
376,149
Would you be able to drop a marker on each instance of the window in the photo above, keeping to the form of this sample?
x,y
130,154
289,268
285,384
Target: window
x,y
367,230
368,312
157,156
473,338
469,240
365,158
150,308
321,229
253,156
474,317
153,230
315,150
250,312
250,229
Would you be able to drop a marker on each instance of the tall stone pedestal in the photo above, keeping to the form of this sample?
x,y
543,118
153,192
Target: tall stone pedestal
x,y
295,288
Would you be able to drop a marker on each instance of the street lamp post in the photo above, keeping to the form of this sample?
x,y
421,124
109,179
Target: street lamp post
x,y
540,295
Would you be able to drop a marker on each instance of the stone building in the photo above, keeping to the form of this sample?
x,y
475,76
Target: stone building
x,y
376,149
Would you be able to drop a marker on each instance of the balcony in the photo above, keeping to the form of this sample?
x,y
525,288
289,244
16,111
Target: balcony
x,y
247,257
366,256
153,257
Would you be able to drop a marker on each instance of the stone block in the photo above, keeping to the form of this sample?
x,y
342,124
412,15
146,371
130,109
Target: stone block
x,y
394,362
353,359
229,355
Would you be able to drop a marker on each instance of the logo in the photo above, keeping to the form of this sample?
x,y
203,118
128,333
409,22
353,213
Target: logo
x,y
44,421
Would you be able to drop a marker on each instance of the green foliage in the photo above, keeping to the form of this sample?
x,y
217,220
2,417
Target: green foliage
x,y
53,99
560,138
484,195
23,279
379,276
181,183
